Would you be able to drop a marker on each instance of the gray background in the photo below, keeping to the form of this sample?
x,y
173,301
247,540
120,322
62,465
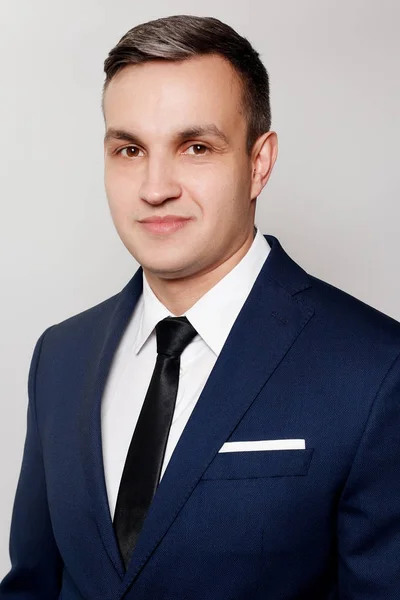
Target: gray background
x,y
333,199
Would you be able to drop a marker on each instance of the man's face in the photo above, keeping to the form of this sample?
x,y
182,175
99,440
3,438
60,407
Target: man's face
x,y
182,154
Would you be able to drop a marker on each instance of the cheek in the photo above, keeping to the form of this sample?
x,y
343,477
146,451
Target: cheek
x,y
228,202
120,191
212,188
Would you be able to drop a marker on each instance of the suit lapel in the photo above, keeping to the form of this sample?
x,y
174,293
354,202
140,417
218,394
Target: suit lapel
x,y
267,326
109,333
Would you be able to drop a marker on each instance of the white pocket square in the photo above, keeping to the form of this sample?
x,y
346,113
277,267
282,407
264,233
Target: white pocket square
x,y
263,445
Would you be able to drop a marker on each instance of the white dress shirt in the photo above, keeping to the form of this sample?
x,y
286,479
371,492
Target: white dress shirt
x,y
213,316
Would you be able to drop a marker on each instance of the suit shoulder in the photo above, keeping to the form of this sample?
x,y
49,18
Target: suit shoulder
x,y
91,324
93,313
343,309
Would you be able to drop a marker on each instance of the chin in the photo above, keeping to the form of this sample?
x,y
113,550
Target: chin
x,y
172,263
165,269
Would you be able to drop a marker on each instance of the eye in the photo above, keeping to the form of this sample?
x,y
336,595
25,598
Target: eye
x,y
132,151
199,149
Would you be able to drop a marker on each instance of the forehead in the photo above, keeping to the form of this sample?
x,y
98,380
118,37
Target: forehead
x,y
163,94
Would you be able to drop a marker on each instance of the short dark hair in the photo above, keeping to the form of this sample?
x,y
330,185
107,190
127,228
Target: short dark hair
x,y
180,37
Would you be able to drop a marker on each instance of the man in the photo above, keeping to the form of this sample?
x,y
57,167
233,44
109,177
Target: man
x,y
227,426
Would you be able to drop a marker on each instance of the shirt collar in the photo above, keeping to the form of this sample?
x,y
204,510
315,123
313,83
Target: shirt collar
x,y
214,314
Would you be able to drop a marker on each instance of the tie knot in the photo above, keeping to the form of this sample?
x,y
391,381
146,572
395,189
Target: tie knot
x,y
173,335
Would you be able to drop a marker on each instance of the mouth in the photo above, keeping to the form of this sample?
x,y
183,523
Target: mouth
x,y
163,225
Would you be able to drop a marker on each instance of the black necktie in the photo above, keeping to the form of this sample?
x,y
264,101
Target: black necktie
x,y
145,456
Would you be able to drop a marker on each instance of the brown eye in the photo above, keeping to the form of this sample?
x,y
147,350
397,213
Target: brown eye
x,y
131,151
198,149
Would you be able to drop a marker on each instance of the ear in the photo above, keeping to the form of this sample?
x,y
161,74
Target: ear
x,y
264,155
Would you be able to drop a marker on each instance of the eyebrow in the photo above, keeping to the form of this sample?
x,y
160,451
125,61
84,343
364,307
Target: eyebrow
x,y
181,136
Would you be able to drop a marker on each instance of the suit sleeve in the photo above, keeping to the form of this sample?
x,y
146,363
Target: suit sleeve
x,y
369,508
36,565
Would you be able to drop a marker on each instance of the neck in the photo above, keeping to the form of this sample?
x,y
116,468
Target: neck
x,y
178,295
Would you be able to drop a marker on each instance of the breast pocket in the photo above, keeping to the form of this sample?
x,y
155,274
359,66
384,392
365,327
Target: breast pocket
x,y
258,464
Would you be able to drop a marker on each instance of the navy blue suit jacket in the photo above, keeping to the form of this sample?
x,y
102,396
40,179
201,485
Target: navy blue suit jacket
x,y
303,360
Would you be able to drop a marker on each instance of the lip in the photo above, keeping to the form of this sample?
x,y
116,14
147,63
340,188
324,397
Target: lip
x,y
166,219
167,224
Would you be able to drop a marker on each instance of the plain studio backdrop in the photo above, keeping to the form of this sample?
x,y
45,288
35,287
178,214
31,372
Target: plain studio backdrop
x,y
333,198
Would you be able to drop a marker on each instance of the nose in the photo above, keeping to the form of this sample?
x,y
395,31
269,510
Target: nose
x,y
159,183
